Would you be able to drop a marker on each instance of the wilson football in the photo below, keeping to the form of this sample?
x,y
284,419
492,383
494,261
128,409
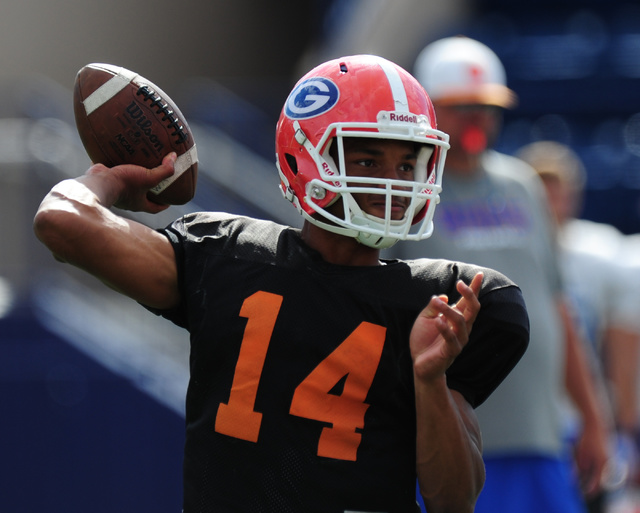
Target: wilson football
x,y
123,118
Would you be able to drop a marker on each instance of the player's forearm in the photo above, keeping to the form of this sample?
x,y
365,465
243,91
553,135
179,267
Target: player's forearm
x,y
77,227
448,450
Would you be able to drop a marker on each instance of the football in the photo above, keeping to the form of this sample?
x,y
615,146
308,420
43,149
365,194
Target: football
x,y
123,118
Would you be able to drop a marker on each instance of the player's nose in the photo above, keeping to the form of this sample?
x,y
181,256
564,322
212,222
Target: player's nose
x,y
391,171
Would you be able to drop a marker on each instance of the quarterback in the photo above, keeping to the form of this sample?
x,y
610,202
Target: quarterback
x,y
323,379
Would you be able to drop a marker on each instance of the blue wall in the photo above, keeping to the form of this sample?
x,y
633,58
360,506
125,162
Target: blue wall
x,y
74,437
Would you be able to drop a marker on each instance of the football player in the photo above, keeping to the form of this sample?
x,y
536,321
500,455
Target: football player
x,y
322,377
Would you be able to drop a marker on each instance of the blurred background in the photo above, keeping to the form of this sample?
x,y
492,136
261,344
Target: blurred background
x,y
92,385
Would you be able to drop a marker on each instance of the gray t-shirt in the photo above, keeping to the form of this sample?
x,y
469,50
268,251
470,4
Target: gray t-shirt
x,y
498,218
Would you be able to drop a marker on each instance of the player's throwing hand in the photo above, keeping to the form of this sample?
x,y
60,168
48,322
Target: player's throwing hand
x,y
126,186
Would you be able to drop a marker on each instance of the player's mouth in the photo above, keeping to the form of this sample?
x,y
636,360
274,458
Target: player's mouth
x,y
377,208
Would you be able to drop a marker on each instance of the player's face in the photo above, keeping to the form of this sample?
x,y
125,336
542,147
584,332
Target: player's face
x,y
380,158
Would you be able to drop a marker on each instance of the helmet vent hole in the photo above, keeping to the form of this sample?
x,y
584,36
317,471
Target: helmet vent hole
x,y
291,161
343,68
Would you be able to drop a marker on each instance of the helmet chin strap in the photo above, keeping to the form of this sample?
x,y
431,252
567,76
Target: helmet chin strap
x,y
360,218
367,239
357,217
375,241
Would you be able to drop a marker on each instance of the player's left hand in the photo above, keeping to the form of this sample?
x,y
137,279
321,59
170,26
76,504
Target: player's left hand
x,y
441,330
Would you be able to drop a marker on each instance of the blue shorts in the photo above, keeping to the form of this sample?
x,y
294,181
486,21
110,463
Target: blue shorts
x,y
528,484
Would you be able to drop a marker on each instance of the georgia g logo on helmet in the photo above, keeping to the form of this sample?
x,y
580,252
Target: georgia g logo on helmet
x,y
311,98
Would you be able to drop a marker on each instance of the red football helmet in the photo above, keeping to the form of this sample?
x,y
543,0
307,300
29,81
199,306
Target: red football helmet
x,y
359,96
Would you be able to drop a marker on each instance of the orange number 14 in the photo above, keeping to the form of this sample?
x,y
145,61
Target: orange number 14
x,y
356,360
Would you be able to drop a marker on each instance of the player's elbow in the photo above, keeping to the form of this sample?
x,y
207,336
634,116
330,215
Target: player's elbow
x,y
52,228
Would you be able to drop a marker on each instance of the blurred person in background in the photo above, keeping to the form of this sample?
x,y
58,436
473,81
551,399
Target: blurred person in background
x,y
603,289
493,212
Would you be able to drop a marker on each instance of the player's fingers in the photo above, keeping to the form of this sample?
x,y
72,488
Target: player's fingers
x,y
452,328
153,207
166,168
476,283
473,288
451,322
435,307
469,303
169,160
456,320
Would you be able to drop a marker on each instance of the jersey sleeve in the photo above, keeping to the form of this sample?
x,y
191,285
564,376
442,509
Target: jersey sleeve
x,y
176,233
498,339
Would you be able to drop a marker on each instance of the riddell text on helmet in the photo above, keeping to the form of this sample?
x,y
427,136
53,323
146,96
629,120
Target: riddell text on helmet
x,y
403,117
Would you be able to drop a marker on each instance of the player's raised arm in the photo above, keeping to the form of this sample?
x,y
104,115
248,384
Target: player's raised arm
x,y
75,222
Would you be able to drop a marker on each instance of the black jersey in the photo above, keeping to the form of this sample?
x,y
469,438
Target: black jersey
x,y
301,392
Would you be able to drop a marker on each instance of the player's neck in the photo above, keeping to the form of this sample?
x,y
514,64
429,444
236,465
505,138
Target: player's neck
x,y
338,249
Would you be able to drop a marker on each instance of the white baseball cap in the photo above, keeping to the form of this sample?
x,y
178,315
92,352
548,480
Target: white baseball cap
x,y
459,71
